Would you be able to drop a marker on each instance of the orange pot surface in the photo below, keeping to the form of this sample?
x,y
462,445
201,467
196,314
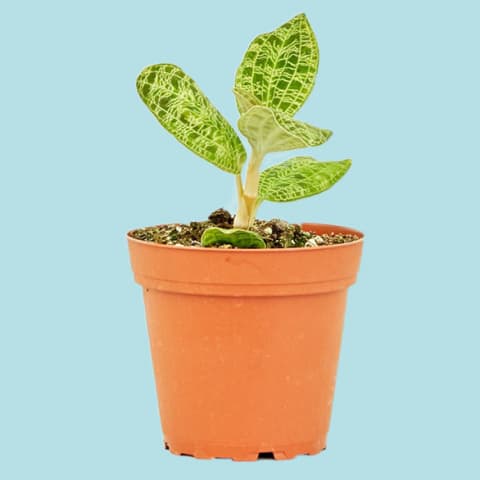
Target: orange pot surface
x,y
245,343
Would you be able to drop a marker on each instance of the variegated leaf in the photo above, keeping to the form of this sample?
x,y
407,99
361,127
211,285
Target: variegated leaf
x,y
270,131
279,67
234,236
300,177
181,107
245,100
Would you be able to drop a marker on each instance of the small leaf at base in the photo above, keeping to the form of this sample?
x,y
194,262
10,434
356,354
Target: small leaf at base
x,y
234,236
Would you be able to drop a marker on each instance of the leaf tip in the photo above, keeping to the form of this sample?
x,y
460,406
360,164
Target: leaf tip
x,y
301,17
139,83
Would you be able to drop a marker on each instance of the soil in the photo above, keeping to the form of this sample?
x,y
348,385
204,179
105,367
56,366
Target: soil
x,y
276,233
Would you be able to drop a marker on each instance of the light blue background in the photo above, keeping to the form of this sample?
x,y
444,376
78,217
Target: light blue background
x,y
83,161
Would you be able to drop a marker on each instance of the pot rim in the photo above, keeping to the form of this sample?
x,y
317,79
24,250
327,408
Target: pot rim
x,y
257,251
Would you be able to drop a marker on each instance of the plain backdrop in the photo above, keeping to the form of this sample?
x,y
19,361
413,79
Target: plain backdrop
x,y
83,161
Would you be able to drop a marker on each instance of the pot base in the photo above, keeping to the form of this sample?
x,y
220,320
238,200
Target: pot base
x,y
245,454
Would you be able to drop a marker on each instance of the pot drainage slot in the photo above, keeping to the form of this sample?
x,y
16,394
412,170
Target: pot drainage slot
x,y
266,456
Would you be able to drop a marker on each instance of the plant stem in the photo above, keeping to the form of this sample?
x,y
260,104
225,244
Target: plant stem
x,y
241,218
247,197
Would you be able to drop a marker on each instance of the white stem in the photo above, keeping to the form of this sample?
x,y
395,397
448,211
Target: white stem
x,y
247,197
241,218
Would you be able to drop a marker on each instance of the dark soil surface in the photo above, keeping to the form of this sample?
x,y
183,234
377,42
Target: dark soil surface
x,y
276,233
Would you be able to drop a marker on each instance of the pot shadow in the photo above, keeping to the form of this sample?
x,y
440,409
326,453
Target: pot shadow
x,y
266,456
261,455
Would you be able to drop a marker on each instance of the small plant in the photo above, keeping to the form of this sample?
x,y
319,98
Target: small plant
x,y
273,81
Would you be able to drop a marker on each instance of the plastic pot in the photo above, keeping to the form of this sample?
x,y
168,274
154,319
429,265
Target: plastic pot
x,y
245,343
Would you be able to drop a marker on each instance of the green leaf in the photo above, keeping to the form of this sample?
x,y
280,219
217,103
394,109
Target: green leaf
x,y
300,177
245,100
233,236
279,68
181,107
270,131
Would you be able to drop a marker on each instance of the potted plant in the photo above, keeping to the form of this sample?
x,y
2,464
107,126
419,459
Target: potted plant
x,y
245,316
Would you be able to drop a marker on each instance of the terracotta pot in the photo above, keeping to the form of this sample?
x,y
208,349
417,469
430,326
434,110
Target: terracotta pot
x,y
245,343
